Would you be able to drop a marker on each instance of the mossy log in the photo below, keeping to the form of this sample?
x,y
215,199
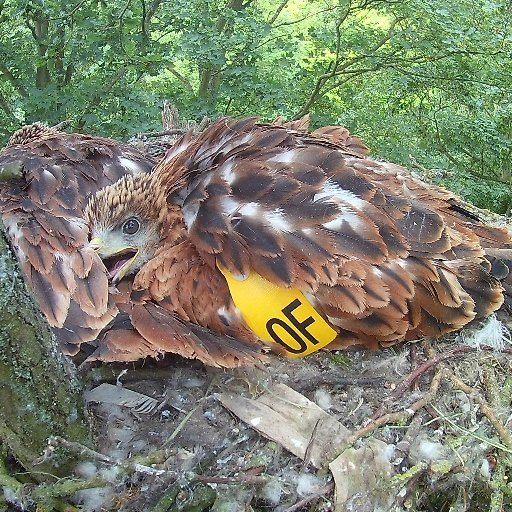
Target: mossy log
x,y
40,395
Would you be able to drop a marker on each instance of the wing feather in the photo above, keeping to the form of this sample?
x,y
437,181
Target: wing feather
x,y
166,332
366,239
42,212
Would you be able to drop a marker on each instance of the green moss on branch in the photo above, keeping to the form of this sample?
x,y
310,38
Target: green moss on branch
x,y
39,394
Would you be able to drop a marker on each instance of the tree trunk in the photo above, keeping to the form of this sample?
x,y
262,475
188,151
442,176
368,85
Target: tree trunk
x,y
41,34
210,75
40,395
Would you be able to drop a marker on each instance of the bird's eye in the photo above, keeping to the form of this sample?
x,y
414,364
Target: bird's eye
x,y
131,226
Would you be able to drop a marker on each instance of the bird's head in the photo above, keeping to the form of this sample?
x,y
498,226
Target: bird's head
x,y
127,220
30,133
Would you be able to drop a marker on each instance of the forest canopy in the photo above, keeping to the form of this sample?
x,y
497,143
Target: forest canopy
x,y
425,83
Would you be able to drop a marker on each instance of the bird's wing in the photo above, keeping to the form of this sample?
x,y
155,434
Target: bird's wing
x,y
383,254
153,331
42,206
299,125
288,206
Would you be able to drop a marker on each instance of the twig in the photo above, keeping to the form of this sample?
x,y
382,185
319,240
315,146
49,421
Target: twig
x,y
334,379
179,428
15,82
308,499
337,68
62,125
102,374
498,478
406,383
201,497
309,447
491,386
149,459
481,438
66,487
248,479
274,17
139,464
177,131
80,449
395,417
205,122
486,409
70,13
168,498
436,359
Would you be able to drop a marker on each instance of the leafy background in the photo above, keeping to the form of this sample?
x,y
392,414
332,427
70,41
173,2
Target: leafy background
x,y
425,83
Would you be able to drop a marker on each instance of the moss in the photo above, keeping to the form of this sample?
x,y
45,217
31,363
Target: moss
x,y
340,359
506,392
201,498
399,478
178,499
441,467
39,394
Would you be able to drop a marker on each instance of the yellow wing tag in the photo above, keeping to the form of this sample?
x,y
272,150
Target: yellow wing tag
x,y
281,315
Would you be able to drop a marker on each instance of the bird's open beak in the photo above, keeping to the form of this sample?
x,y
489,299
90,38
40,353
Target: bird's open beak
x,y
118,260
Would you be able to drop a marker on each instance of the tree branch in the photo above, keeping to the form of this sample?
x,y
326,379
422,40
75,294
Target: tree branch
x,y
15,82
184,80
280,8
482,176
4,105
70,13
210,74
149,12
304,18
96,99
450,78
336,68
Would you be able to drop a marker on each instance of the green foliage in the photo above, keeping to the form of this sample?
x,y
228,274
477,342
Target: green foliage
x,y
429,79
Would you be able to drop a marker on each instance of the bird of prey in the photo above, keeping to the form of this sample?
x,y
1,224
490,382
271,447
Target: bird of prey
x,y
46,178
261,234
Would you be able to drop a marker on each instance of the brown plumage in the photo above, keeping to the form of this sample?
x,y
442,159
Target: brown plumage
x,y
46,178
381,256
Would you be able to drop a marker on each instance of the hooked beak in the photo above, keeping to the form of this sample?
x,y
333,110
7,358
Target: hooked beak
x,y
96,244
118,260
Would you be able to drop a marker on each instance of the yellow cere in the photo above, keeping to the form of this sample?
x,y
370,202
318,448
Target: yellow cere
x,y
280,315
